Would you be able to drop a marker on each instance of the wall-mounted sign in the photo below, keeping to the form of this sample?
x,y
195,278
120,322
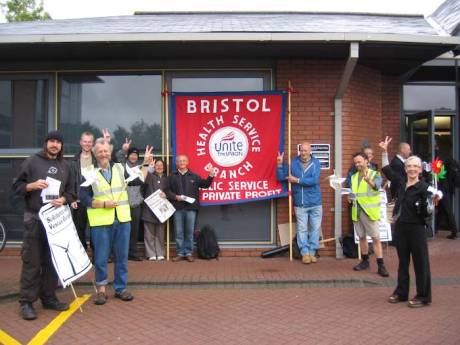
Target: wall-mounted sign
x,y
322,152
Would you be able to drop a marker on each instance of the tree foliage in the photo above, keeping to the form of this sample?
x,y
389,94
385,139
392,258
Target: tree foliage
x,y
24,10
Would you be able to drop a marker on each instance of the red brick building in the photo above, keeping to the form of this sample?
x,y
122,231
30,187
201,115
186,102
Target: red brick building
x,y
348,72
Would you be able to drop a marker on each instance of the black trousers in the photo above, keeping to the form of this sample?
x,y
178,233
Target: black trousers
x,y
38,277
445,211
411,242
135,224
80,219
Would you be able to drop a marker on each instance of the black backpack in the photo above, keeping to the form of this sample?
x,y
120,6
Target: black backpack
x,y
350,248
206,243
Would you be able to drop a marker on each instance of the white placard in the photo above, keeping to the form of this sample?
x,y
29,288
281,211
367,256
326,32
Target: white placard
x,y
384,225
161,207
67,253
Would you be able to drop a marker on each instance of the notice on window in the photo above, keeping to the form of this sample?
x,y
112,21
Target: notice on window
x,y
161,207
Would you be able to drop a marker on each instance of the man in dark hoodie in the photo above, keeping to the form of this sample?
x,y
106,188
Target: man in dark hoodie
x,y
82,160
38,276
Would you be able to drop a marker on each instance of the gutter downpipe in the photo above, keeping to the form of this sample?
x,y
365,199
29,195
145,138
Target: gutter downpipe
x,y
338,99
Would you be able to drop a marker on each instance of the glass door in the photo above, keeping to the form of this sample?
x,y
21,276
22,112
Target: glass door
x,y
430,135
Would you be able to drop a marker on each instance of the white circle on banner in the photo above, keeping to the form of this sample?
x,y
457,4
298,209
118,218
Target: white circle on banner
x,y
228,146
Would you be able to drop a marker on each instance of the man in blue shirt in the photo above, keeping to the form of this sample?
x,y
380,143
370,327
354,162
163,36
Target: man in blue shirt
x,y
304,177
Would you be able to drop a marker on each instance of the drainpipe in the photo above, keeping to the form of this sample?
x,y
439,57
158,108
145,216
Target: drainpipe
x,y
338,99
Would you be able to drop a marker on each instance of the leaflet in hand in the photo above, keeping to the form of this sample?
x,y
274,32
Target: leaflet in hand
x,y
187,199
52,191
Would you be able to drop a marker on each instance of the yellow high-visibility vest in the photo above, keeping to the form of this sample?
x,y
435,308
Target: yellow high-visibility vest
x,y
367,198
103,191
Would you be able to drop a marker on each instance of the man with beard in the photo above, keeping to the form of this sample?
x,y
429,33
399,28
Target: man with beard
x,y
82,160
109,218
38,276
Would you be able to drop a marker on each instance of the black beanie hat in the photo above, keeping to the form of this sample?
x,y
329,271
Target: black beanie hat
x,y
54,135
133,150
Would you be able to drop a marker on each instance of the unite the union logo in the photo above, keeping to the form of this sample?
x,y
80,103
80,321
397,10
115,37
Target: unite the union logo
x,y
228,146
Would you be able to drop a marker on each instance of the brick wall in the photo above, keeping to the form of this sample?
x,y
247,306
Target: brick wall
x,y
370,102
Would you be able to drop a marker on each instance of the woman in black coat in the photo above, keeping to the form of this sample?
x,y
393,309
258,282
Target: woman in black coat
x,y
410,234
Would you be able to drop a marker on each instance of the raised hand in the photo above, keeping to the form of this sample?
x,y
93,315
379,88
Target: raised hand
x,y
148,155
106,135
384,144
125,147
279,158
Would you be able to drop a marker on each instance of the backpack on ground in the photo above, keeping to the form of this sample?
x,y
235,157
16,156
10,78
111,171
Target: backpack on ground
x,y
349,247
206,243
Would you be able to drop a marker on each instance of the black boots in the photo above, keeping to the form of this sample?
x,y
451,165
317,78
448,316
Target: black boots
x,y
28,312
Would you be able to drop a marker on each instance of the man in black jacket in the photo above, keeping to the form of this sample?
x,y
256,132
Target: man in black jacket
x,y
38,276
397,164
183,191
82,160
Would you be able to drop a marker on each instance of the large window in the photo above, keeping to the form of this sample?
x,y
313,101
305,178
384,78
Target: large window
x,y
239,223
23,113
11,207
427,97
128,105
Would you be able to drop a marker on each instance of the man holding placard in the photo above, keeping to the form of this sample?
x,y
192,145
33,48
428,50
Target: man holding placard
x,y
44,178
365,211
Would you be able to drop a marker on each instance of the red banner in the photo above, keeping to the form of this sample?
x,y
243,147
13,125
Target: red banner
x,y
239,134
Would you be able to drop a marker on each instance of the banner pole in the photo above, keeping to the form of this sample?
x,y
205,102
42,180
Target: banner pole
x,y
166,109
76,298
289,169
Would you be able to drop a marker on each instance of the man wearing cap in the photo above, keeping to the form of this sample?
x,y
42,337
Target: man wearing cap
x,y
38,276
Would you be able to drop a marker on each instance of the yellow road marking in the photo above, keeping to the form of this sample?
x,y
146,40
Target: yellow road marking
x,y
43,336
6,339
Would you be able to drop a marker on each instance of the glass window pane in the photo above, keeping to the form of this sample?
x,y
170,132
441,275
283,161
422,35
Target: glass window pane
x,y
128,105
11,207
23,113
217,84
428,97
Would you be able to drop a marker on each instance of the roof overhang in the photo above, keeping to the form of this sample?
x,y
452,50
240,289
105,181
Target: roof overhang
x,y
392,54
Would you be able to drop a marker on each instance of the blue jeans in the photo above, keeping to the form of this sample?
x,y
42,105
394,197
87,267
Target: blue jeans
x,y
113,237
184,224
308,228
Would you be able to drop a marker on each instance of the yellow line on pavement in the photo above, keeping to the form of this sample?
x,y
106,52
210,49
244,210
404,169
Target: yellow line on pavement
x,y
6,339
43,336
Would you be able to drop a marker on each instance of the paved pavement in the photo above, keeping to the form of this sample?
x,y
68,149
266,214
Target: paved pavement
x,y
253,301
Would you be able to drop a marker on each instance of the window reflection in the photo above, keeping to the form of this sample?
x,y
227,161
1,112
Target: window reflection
x,y
128,105
11,207
23,113
427,97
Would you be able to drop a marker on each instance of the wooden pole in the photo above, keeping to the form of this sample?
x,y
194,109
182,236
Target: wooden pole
x,y
166,110
289,169
76,298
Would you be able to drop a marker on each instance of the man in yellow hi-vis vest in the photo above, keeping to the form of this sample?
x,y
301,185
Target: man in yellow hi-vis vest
x,y
365,213
109,217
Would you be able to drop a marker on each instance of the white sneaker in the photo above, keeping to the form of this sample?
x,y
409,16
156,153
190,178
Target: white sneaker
x,y
153,258
160,258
